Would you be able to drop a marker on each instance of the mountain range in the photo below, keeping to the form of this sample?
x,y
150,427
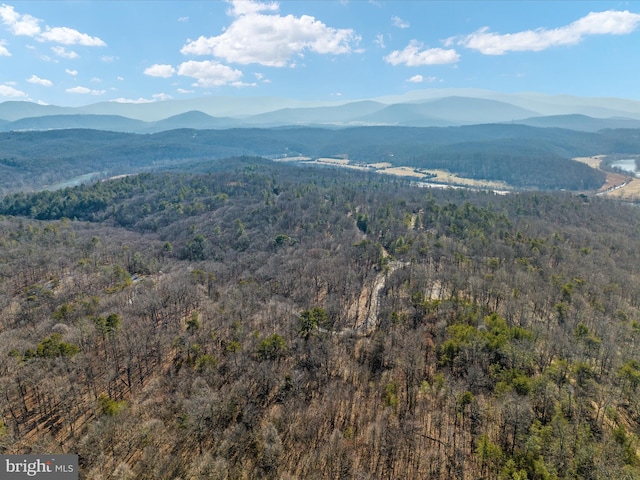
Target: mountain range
x,y
422,108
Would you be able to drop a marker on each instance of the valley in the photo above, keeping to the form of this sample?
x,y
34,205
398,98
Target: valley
x,y
368,304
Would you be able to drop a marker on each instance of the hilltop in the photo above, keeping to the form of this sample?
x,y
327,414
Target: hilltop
x,y
421,108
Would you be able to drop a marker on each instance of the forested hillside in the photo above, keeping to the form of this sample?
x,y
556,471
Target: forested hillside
x,y
521,156
275,321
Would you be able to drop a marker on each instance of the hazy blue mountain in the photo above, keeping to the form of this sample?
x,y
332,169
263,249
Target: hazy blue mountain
x,y
448,111
216,106
538,102
579,122
15,110
420,108
193,119
567,105
403,114
467,110
113,123
339,114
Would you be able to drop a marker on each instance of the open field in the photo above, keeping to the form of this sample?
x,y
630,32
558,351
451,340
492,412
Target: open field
x,y
630,191
441,176
615,181
402,172
617,185
593,162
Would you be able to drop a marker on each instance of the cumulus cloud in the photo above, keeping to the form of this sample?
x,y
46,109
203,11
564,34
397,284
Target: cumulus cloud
x,y
27,25
400,23
8,91
251,7
63,52
130,100
85,91
271,39
161,96
421,79
3,50
413,55
19,24
157,70
69,36
379,40
611,22
73,73
260,77
210,73
39,81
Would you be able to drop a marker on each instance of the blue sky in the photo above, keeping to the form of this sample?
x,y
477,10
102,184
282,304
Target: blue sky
x,y
82,52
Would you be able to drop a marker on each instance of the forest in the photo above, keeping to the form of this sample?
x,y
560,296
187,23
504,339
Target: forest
x,y
244,319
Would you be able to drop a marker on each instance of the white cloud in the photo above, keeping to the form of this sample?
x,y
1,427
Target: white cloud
x,y
108,58
39,81
379,41
157,70
69,36
271,40
64,53
129,100
27,25
3,50
210,73
161,96
73,73
413,56
19,24
184,91
400,23
250,7
421,79
260,77
183,19
85,91
7,91
611,22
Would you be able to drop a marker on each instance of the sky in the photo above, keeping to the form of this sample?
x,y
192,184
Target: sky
x,y
74,53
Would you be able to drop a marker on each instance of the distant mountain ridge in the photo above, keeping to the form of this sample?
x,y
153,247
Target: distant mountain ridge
x,y
424,108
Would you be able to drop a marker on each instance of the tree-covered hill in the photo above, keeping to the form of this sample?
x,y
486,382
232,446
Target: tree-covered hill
x,y
275,321
539,156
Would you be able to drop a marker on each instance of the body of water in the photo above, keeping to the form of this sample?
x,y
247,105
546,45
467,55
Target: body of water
x,y
628,165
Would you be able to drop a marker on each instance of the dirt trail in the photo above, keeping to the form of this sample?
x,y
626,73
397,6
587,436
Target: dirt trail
x,y
369,304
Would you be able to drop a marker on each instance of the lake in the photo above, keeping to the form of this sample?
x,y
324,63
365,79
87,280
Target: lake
x,y
628,165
